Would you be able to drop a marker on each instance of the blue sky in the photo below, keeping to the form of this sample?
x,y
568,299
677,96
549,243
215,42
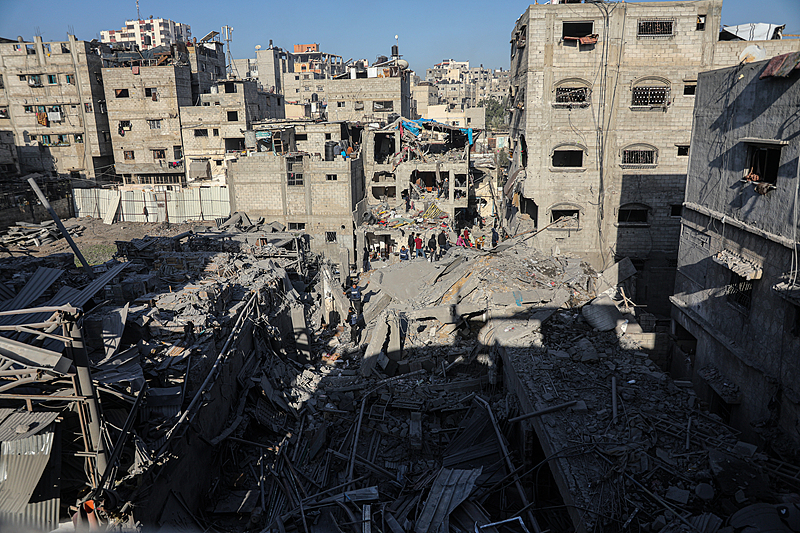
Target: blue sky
x,y
429,31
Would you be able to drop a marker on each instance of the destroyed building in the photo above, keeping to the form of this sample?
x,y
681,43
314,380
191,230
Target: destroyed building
x,y
148,33
307,176
51,99
629,69
427,162
378,93
213,129
736,305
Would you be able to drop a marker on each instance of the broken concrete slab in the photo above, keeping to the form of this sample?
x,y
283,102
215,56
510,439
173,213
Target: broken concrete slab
x,y
375,346
615,274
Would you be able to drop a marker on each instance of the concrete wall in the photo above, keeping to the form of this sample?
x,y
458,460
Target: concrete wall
x,y
78,142
258,186
542,61
754,347
343,95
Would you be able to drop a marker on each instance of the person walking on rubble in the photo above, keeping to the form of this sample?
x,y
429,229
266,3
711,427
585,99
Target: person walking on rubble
x,y
353,319
495,236
411,246
442,239
432,248
354,293
467,241
418,247
403,254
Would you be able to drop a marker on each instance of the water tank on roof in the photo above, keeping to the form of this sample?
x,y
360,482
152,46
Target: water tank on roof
x,y
330,150
250,140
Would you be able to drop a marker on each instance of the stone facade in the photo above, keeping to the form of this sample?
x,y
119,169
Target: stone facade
x,y
146,129
736,314
51,98
602,99
9,161
149,33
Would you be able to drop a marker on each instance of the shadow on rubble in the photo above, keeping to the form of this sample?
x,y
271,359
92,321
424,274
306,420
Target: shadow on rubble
x,y
489,392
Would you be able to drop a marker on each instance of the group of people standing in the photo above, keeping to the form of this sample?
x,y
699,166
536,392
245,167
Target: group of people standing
x,y
430,248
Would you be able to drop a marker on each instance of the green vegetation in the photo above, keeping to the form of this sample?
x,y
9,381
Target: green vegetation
x,y
502,158
496,113
96,254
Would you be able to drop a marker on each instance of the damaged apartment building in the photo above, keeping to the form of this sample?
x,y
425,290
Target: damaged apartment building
x,y
172,107
52,101
379,93
736,307
601,105
295,173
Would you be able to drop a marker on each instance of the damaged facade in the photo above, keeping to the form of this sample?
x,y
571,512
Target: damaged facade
x,y
618,189
51,99
736,305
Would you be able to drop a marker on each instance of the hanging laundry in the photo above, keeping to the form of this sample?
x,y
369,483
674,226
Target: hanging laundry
x,y
41,118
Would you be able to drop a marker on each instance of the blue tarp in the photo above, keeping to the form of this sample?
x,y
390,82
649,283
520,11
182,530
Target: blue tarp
x,y
415,126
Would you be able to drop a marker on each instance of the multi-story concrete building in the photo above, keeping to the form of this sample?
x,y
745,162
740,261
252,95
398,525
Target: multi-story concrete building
x,y
424,94
149,33
602,98
213,130
291,180
52,99
207,65
462,117
736,308
371,94
144,100
268,68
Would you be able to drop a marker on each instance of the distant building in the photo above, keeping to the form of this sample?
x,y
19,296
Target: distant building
x,y
736,307
52,100
149,33
424,94
470,117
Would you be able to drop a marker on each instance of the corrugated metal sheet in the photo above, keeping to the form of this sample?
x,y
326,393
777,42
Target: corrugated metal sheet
x,y
34,357
34,422
5,292
39,516
201,203
39,282
21,465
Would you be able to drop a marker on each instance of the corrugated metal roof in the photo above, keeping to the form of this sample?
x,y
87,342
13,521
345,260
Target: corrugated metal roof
x,y
34,357
39,282
5,292
32,422
21,465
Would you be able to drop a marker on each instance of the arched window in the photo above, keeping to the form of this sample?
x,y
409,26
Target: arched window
x,y
633,214
650,92
565,216
572,92
639,156
568,155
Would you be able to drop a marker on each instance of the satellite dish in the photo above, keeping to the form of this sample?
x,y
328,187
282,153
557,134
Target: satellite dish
x,y
752,53
258,47
395,37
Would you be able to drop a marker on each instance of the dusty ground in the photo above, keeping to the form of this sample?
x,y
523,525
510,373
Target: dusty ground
x,y
96,241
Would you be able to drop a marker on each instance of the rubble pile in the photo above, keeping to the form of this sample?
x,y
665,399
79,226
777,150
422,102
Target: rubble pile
x,y
25,234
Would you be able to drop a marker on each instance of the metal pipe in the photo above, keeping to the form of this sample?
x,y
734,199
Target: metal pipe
x,y
61,227
543,411
614,398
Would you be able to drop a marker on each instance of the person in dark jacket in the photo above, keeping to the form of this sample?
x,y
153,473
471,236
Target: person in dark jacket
x,y
432,249
354,293
495,236
354,319
411,246
404,254
442,239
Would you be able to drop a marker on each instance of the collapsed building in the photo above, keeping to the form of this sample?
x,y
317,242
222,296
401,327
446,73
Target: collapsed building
x,y
503,390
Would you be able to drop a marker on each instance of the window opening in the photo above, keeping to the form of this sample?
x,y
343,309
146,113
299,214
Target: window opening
x,y
159,154
740,290
676,210
233,116
683,150
154,124
177,152
656,28
330,236
763,163
297,226
79,138
689,89
701,23
129,155
52,79
577,29
382,106
201,133
568,158
215,132
151,92
331,177
121,93
572,95
650,96
638,157
294,171
565,218
632,215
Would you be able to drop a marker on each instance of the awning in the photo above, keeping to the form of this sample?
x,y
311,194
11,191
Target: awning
x,y
738,264
755,31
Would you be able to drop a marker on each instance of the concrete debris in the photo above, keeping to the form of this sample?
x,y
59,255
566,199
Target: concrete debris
x,y
228,349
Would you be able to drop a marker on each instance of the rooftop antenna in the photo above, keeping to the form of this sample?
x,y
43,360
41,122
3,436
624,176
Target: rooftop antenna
x,y
138,16
227,35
